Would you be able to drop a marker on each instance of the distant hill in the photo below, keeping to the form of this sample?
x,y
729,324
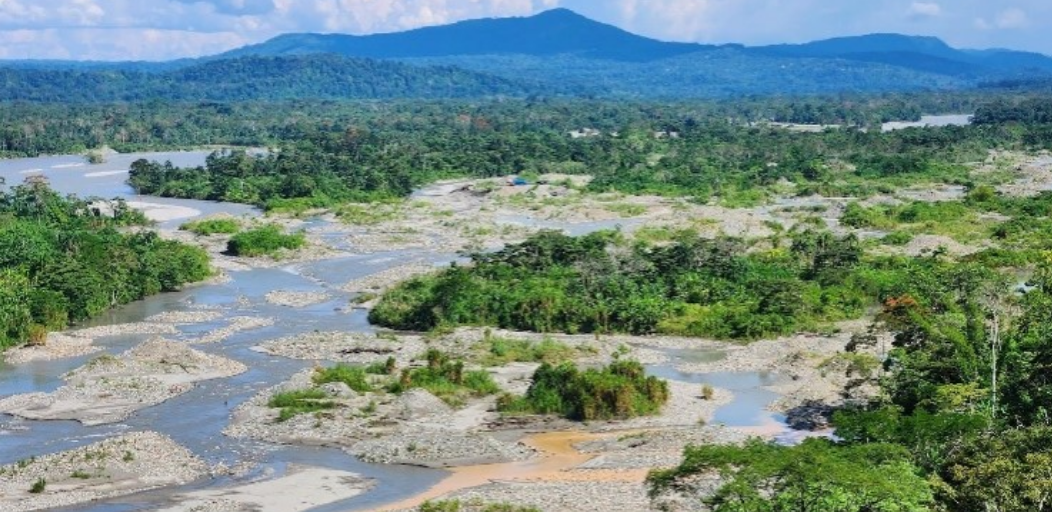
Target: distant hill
x,y
561,32
927,54
554,32
259,78
556,52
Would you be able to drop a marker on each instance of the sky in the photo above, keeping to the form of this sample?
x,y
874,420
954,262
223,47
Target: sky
x,y
168,29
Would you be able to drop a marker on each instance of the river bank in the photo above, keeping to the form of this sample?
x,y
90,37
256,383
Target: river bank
x,y
281,317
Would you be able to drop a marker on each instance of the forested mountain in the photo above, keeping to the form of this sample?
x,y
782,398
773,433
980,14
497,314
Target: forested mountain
x,y
594,47
554,32
556,52
927,54
258,78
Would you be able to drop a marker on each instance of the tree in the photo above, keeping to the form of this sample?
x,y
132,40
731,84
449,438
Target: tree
x,y
815,476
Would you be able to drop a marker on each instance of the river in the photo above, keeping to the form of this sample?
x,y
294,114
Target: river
x,y
196,419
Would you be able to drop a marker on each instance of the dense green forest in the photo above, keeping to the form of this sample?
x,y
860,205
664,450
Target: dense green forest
x,y
259,78
696,287
962,423
31,129
64,260
390,150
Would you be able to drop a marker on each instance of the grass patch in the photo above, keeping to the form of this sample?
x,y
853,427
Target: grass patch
x,y
445,378
212,227
353,376
388,367
302,401
370,214
662,234
626,209
897,238
472,506
954,219
500,351
619,391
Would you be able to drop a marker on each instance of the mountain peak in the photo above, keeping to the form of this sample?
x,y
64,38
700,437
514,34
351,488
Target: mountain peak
x,y
562,12
554,32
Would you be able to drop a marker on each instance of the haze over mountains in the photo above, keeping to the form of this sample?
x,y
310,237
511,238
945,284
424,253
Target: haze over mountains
x,y
556,52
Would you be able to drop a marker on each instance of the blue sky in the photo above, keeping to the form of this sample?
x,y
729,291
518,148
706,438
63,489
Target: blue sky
x,y
164,29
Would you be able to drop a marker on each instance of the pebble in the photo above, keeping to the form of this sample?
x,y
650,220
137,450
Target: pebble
x,y
118,466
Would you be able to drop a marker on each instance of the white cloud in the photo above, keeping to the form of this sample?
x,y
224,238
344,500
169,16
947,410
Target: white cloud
x,y
1008,19
1012,18
112,44
925,10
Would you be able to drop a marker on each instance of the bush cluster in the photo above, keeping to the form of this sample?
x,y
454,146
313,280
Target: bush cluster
x,y
619,391
264,241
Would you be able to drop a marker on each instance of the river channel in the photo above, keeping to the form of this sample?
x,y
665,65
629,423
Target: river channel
x,y
196,419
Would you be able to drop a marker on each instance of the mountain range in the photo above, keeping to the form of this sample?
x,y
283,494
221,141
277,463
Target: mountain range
x,y
557,52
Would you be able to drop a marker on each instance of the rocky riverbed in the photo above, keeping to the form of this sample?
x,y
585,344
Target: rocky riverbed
x,y
107,389
118,466
602,470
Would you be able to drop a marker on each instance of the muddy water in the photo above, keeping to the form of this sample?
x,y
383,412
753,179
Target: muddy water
x,y
196,419
557,456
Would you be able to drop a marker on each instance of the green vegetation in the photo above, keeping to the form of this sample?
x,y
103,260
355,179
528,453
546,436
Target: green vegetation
x,y
303,401
501,351
445,378
384,151
354,377
697,287
472,506
815,476
267,240
619,391
65,260
209,227
257,78
962,420
39,486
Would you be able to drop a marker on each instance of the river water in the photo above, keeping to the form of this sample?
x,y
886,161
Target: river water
x,y
196,419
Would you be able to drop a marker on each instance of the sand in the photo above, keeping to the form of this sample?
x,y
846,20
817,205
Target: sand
x,y
164,212
302,488
103,174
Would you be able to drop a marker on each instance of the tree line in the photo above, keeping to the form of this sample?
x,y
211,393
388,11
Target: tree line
x,y
65,259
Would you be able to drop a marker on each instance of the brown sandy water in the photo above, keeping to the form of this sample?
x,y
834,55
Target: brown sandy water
x,y
558,457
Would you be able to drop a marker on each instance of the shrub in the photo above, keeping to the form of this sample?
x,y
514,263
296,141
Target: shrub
x,y
707,392
264,241
39,486
37,335
619,391
446,379
897,238
388,367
